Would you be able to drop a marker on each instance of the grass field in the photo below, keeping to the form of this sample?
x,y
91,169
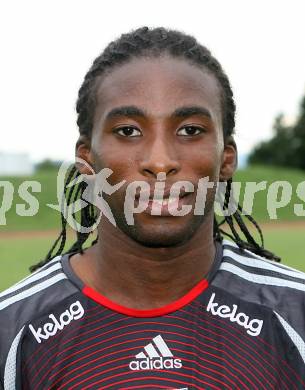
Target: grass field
x,y
19,250
17,254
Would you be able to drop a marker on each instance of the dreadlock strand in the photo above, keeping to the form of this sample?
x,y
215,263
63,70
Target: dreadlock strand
x,y
62,235
255,224
250,244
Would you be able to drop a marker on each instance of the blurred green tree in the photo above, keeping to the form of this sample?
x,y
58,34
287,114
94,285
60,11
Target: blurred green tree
x,y
286,147
47,165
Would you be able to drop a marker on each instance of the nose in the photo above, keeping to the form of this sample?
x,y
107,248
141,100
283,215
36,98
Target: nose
x,y
159,156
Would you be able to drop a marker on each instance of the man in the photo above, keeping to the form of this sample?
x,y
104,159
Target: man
x,y
163,302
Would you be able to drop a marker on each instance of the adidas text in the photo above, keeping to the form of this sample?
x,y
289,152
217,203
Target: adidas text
x,y
253,326
159,357
157,363
75,312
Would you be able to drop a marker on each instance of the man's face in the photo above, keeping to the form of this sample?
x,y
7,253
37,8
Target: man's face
x,y
160,134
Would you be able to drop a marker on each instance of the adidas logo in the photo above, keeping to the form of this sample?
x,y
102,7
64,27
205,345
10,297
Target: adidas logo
x,y
158,356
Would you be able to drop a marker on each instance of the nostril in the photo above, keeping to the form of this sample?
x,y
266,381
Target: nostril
x,y
172,171
148,172
154,173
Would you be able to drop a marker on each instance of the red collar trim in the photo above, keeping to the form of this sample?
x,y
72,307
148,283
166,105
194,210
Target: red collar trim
x,y
171,307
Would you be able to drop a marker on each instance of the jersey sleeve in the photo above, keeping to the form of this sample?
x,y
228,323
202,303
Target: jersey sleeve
x,y
269,284
22,303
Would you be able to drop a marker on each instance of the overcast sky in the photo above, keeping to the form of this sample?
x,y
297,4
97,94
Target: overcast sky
x,y
47,47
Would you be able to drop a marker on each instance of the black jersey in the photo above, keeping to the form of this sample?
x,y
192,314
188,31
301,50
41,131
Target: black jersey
x,y
243,327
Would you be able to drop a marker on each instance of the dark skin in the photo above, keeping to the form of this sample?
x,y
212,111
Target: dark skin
x,y
160,258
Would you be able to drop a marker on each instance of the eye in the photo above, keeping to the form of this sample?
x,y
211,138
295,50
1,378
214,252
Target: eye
x,y
190,131
128,131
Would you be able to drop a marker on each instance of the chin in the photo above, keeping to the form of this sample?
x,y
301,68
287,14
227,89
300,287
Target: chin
x,y
162,234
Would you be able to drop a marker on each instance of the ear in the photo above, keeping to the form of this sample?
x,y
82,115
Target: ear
x,y
229,160
84,162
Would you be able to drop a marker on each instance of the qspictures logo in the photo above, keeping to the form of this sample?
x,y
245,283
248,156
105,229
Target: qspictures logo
x,y
156,355
163,197
49,329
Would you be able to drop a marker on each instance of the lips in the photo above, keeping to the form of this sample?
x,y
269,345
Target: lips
x,y
168,201
168,206
162,203
161,195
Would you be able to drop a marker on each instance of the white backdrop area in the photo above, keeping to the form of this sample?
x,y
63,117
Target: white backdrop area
x,y
47,47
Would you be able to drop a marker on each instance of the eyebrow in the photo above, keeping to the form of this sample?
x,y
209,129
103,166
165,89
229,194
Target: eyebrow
x,y
125,111
181,112
184,112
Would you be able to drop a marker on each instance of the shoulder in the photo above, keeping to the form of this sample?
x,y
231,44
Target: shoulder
x,y
35,288
260,271
255,279
29,299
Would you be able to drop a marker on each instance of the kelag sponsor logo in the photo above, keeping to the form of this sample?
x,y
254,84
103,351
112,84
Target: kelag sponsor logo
x,y
49,329
253,326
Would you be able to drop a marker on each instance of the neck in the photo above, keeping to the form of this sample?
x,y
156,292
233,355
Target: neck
x,y
145,278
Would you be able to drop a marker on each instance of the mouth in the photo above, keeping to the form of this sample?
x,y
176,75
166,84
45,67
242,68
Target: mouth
x,y
161,195
163,204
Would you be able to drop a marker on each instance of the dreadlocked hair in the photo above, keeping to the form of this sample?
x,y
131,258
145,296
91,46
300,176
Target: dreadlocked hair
x,y
88,218
151,42
235,222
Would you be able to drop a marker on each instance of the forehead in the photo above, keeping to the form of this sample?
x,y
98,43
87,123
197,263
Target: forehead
x,y
159,85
